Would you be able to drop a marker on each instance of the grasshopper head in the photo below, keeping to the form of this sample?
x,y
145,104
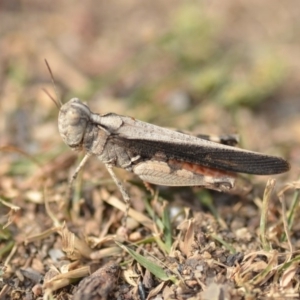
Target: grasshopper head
x,y
72,122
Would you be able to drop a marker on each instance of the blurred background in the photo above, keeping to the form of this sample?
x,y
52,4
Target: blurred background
x,y
211,67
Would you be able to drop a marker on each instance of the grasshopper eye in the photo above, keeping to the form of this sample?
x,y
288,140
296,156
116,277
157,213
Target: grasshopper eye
x,y
72,122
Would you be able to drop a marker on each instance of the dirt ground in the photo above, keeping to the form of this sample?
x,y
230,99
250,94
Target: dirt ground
x,y
210,67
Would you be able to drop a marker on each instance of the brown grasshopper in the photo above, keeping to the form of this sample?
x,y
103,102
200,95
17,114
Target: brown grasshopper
x,y
158,155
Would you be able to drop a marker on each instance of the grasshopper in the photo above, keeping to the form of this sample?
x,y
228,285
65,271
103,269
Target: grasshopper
x,y
155,154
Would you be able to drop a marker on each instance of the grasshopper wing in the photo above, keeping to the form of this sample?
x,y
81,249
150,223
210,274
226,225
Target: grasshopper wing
x,y
148,140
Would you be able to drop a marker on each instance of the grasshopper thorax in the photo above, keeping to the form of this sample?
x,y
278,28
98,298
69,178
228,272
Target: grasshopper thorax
x,y
72,122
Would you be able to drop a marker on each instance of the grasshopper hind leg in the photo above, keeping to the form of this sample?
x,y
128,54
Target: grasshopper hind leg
x,y
225,139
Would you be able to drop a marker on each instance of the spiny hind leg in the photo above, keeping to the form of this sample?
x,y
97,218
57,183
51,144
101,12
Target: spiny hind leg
x,y
225,139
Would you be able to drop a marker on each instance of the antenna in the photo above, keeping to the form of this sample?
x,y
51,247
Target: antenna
x,y
50,96
58,103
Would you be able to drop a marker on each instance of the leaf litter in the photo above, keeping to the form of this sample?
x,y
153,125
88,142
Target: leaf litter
x,y
204,260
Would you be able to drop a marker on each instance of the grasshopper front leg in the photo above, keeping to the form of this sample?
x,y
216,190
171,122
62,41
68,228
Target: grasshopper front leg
x,y
75,174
